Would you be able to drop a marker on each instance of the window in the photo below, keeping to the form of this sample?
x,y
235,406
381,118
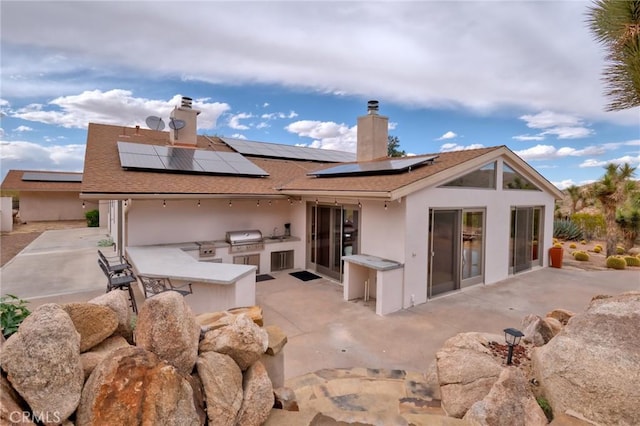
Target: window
x,y
514,180
484,177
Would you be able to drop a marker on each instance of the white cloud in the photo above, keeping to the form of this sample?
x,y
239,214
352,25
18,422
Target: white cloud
x,y
1,132
569,132
326,134
538,152
29,155
266,104
448,147
506,65
23,129
593,163
238,136
234,121
275,115
528,137
564,184
115,106
632,160
563,126
448,135
262,125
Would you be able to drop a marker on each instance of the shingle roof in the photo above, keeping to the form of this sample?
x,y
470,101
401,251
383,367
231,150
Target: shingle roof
x,y
104,175
13,182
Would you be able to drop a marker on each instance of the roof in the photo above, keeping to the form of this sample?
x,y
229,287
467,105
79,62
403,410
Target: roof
x,y
39,180
104,177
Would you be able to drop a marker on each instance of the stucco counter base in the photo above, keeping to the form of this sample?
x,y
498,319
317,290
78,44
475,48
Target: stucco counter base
x,y
366,275
216,286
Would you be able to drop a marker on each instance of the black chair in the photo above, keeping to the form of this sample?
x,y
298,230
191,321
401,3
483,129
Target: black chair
x,y
153,286
115,264
120,281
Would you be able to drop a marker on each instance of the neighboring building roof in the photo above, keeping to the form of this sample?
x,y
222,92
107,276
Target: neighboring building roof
x,y
39,180
104,176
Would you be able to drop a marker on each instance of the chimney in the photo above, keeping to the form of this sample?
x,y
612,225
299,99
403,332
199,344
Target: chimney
x,y
373,132
183,124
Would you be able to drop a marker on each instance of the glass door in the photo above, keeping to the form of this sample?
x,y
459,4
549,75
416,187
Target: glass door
x,y
444,242
522,238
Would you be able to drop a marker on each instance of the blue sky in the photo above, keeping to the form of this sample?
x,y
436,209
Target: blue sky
x,y
448,74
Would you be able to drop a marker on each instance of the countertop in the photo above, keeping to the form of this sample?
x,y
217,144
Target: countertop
x,y
373,262
171,261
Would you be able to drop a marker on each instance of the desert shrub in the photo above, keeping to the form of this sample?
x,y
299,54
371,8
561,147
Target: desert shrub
x,y
93,218
597,249
572,245
546,407
566,230
582,256
620,250
632,260
583,242
592,225
13,311
616,262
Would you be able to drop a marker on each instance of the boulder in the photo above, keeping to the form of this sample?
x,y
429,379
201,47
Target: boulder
x,y
92,358
11,409
536,331
591,367
509,403
198,397
466,371
553,324
254,312
134,387
214,320
222,381
258,396
561,315
242,340
167,327
118,302
285,399
42,361
276,339
94,323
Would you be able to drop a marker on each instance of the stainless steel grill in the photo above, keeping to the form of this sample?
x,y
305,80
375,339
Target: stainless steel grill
x,y
245,241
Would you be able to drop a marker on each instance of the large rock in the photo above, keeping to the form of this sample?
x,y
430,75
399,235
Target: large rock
x,y
509,403
536,331
242,340
134,387
94,323
258,396
593,366
561,315
167,327
118,302
466,371
42,361
11,411
92,358
222,381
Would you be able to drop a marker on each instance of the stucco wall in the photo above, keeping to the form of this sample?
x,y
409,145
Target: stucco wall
x,y
382,232
40,206
6,214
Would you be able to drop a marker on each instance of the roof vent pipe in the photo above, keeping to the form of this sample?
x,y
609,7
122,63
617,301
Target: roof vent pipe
x,y
372,107
186,102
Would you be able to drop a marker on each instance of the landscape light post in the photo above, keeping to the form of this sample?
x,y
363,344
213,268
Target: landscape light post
x,y
512,337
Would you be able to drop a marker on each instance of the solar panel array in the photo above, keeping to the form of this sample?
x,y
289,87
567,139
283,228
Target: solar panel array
x,y
274,150
51,177
185,160
374,168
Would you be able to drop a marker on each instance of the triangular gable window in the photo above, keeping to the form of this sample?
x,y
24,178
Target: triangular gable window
x,y
514,180
484,177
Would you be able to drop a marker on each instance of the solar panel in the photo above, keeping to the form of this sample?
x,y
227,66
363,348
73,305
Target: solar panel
x,y
274,150
185,160
374,168
52,177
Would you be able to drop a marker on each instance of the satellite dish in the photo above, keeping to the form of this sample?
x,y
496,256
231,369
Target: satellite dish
x,y
155,123
176,124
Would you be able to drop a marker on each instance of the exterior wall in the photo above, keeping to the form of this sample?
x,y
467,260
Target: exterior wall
x,y
382,232
6,214
39,206
497,205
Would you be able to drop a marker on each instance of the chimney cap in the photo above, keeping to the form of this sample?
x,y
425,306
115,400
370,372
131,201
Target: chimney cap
x,y
186,102
372,107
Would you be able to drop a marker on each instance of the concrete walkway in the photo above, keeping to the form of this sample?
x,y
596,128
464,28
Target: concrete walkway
x,y
323,330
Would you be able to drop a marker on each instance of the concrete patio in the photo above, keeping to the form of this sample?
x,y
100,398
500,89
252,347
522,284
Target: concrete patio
x,y
323,330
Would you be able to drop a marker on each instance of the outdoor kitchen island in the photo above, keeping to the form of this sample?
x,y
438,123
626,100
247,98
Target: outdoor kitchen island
x,y
216,286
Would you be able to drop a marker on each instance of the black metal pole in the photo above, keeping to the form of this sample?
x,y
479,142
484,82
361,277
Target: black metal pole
x,y
510,355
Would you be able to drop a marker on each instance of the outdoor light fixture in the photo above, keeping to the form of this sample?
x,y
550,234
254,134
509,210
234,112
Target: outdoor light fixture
x,y
512,337
258,203
164,203
316,201
269,202
359,204
83,206
385,205
125,203
335,202
198,203
230,203
290,201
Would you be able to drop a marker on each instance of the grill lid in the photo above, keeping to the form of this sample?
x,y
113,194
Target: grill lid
x,y
244,237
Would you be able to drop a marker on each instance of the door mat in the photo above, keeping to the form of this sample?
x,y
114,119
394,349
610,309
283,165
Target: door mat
x,y
304,275
264,277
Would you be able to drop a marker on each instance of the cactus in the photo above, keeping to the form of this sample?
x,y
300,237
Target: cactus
x,y
566,230
616,262
632,260
558,245
583,242
597,249
582,256
572,245
620,250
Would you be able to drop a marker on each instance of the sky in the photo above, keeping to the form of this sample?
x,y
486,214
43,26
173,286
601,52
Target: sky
x,y
449,75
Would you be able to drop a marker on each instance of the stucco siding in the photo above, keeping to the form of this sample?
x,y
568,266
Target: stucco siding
x,y
382,231
40,206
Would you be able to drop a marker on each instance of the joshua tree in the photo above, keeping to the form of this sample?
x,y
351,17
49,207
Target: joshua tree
x,y
615,24
612,191
576,196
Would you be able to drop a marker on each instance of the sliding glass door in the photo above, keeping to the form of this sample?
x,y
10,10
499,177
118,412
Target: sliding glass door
x,y
525,233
